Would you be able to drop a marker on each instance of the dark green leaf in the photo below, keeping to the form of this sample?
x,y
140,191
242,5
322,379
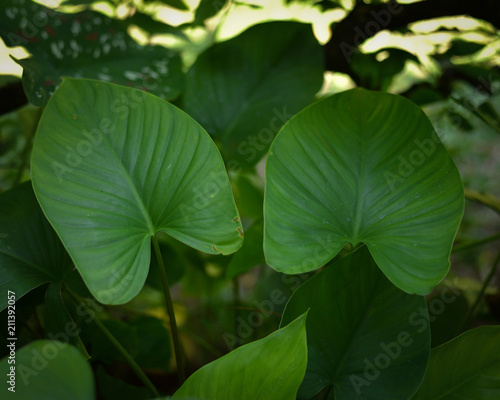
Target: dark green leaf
x,y
30,251
174,262
365,336
243,90
250,254
466,368
378,75
58,322
460,47
179,4
207,9
153,26
86,44
248,196
112,388
146,339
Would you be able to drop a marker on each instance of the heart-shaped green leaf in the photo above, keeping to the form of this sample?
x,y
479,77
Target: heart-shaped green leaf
x,y
86,44
267,369
362,167
48,370
31,254
364,335
112,166
466,368
243,90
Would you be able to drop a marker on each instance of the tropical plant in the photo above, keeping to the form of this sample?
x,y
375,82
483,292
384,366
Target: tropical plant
x,y
146,251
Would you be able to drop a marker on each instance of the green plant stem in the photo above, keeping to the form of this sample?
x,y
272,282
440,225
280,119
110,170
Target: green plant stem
x,y
485,199
472,310
128,358
171,313
236,302
466,246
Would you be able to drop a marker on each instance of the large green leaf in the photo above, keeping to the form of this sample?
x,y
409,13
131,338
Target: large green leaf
x,y
267,369
244,89
31,254
364,335
466,368
86,44
49,370
362,167
109,178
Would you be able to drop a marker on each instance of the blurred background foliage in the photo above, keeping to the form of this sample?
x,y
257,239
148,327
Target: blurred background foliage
x,y
443,55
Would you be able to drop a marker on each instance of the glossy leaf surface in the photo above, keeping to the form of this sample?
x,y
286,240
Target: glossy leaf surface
x,y
362,167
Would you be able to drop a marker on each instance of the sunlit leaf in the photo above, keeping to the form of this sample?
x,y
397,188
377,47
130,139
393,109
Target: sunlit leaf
x,y
109,179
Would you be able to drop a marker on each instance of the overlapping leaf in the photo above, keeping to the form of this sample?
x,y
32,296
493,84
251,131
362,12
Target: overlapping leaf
x,y
243,90
31,254
48,370
86,44
365,336
109,178
466,368
362,167
267,369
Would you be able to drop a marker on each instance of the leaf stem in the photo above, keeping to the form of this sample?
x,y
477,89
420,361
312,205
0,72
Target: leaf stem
x,y
125,354
485,199
472,310
170,310
474,243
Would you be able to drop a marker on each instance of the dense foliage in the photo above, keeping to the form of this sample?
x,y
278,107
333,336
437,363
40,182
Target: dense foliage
x,y
273,199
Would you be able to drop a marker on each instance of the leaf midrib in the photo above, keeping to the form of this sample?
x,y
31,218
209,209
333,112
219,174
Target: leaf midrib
x,y
128,179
